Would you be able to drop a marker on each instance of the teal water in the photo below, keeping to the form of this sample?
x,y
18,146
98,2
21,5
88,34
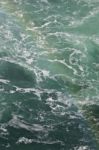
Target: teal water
x,y
49,74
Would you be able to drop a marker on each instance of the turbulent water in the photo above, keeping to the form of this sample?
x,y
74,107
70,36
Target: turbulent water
x,y
49,74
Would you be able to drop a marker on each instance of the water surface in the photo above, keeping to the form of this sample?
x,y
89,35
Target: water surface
x,y
49,74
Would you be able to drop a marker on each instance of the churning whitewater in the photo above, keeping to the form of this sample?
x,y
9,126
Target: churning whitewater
x,y
49,74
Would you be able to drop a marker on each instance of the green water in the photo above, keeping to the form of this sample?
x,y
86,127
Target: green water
x,y
49,74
